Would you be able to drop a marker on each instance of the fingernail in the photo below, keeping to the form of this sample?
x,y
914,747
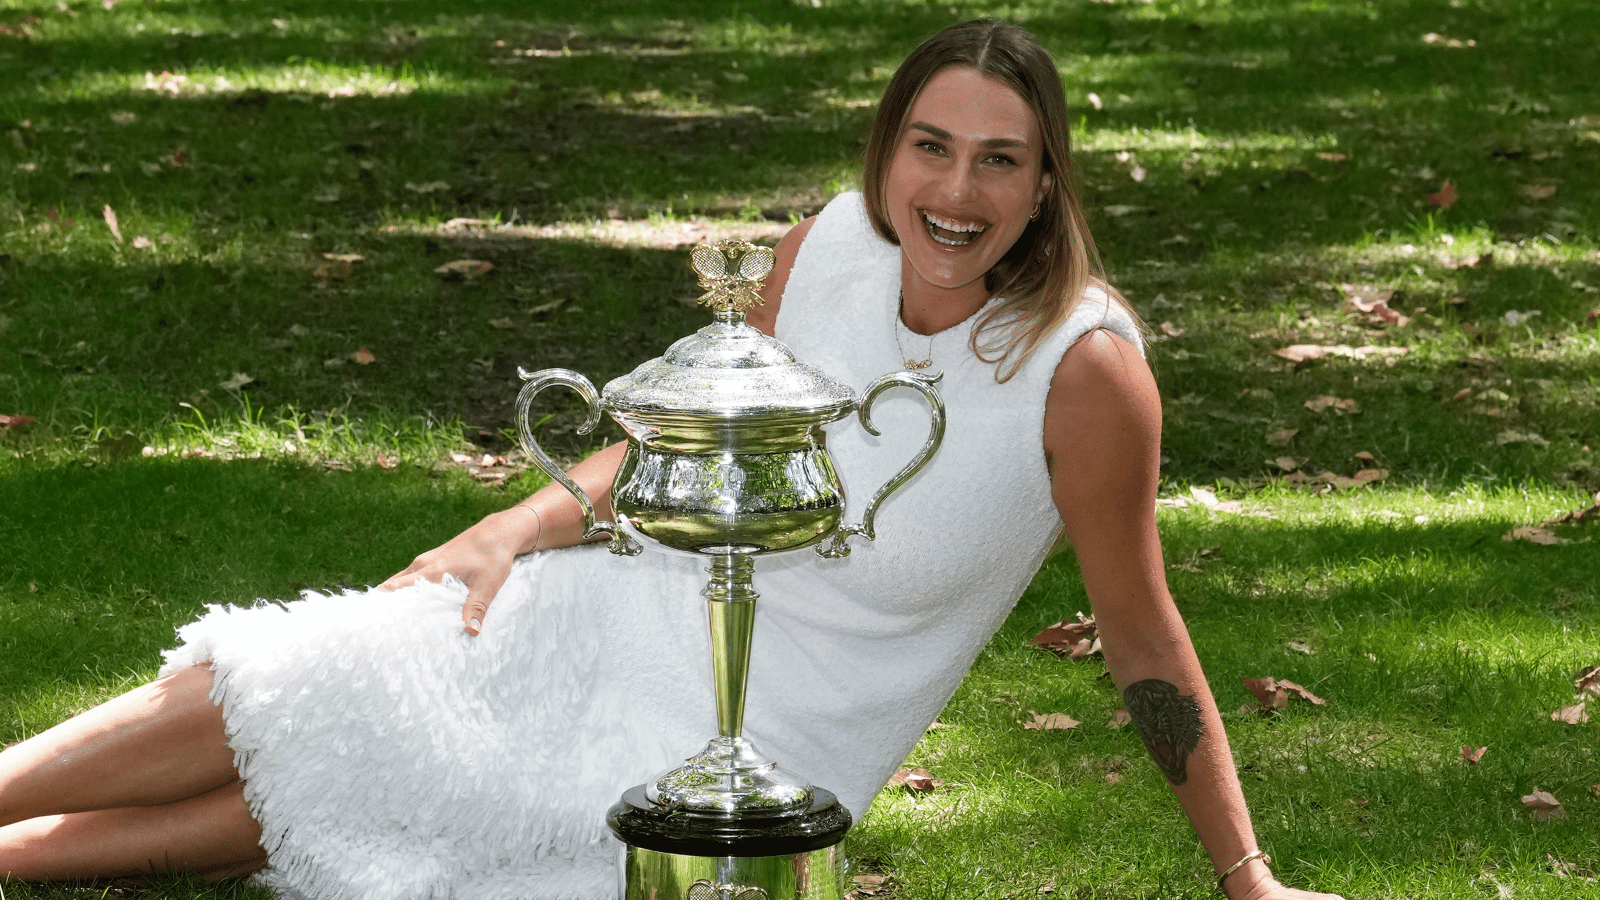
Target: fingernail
x,y
474,626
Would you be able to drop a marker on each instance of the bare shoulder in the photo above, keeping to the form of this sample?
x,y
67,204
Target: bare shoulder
x,y
1102,426
765,316
1104,376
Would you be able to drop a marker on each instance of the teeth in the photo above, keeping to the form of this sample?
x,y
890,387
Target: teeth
x,y
950,233
949,225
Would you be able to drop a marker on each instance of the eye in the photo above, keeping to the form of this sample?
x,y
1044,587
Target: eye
x,y
1001,159
931,147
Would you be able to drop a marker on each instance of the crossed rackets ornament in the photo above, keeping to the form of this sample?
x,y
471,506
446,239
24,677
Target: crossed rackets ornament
x,y
731,273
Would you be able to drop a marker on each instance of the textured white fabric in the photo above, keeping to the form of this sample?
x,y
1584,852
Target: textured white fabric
x,y
388,754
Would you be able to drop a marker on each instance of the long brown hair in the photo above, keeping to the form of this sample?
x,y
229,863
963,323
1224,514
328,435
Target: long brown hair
x,y
1046,272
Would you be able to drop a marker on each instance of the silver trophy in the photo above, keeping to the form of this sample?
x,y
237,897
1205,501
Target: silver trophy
x,y
726,459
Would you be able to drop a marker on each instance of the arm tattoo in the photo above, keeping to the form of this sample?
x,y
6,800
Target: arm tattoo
x,y
1168,721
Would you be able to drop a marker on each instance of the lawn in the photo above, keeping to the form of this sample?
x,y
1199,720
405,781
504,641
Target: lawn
x,y
1364,235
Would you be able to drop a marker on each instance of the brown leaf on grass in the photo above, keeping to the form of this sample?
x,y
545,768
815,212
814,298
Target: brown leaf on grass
x,y
140,242
1330,479
1373,304
1274,693
1445,196
1286,463
363,357
1051,722
1593,788
1366,459
1538,191
110,215
1120,719
1338,405
1544,805
1281,437
344,257
1298,647
1572,715
1168,329
1072,640
9,422
1588,681
465,269
1453,43
1268,693
1332,157
1300,354
1472,757
915,780
1535,536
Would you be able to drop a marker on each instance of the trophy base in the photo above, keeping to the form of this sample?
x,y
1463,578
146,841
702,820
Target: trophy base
x,y
676,855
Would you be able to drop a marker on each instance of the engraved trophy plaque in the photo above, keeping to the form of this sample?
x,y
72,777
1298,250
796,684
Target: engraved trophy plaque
x,y
726,460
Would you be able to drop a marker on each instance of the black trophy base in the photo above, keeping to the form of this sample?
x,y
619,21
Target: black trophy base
x,y
692,856
640,823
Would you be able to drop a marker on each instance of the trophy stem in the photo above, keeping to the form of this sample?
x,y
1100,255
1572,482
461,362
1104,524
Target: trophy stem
x,y
731,609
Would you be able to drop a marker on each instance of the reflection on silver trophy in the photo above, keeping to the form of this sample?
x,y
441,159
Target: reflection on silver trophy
x,y
726,459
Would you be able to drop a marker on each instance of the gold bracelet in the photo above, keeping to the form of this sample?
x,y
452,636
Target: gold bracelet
x,y
1253,854
537,519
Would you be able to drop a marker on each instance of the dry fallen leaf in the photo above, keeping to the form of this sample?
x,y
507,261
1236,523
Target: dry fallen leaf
x,y
1286,463
110,215
1588,681
1534,535
238,381
1120,719
1445,196
1274,693
915,779
1169,330
1336,404
363,357
466,269
1281,437
1538,191
1073,640
1544,805
1572,715
14,421
1472,757
1298,647
1300,354
1051,722
1332,157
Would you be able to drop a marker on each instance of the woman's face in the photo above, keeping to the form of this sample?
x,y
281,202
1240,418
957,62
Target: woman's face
x,y
966,172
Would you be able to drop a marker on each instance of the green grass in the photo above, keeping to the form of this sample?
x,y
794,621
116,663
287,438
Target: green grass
x,y
1244,161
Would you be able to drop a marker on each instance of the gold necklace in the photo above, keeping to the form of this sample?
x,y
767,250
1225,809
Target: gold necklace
x,y
912,365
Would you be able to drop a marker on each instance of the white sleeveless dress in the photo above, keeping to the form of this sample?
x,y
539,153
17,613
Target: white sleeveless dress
x,y
388,754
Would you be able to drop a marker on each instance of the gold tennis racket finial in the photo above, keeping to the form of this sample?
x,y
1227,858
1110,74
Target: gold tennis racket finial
x,y
731,273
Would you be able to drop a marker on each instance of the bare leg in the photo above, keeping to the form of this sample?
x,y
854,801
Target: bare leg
x,y
156,744
212,834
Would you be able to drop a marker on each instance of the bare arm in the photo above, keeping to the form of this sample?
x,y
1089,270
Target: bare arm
x,y
482,555
1102,440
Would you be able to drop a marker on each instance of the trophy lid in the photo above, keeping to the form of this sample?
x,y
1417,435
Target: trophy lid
x,y
729,372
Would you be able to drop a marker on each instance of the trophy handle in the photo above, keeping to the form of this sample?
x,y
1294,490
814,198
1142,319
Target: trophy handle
x,y
621,544
837,547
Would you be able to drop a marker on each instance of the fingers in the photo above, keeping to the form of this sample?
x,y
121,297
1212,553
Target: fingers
x,y
481,594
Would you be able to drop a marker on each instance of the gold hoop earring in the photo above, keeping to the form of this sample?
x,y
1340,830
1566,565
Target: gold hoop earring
x,y
1035,214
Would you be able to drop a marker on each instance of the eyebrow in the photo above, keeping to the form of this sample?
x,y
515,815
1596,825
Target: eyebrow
x,y
991,143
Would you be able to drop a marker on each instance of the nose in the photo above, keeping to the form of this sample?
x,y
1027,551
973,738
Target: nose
x,y
958,183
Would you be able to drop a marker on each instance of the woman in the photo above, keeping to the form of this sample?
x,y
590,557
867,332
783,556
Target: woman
x,y
376,747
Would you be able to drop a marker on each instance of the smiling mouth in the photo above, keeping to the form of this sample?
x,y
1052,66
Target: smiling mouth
x,y
950,233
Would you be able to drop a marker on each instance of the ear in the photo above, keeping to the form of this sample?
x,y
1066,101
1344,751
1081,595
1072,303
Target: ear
x,y
1046,181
